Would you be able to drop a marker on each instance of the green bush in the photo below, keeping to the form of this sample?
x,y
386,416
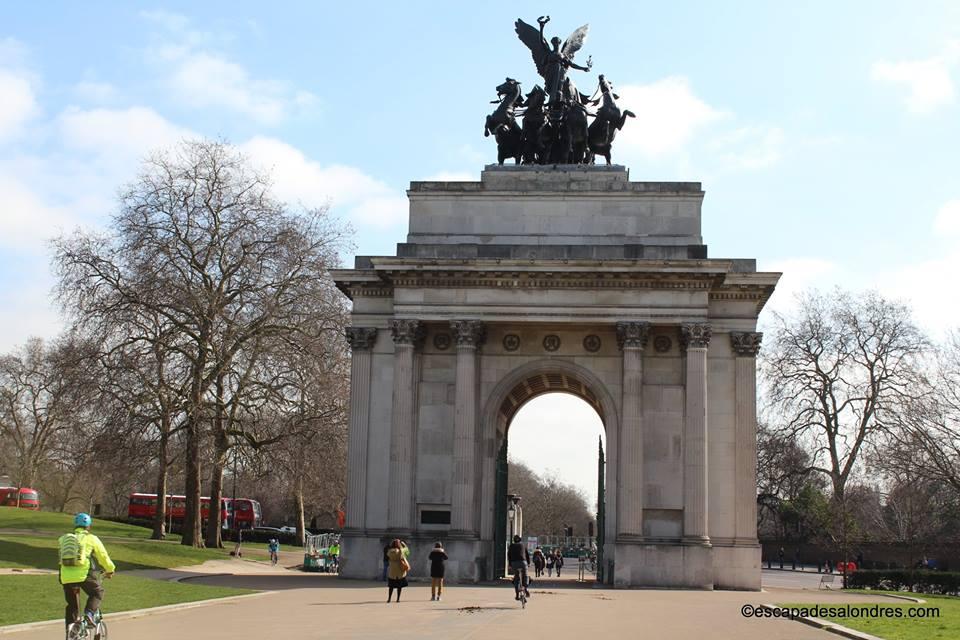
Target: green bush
x,y
936,582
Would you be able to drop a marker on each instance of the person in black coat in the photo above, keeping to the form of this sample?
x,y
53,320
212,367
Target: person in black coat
x,y
437,559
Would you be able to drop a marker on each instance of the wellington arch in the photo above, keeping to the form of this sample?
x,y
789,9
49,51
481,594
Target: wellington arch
x,y
556,278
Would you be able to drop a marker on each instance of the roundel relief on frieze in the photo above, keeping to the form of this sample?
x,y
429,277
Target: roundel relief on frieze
x,y
551,342
511,342
592,343
662,344
441,341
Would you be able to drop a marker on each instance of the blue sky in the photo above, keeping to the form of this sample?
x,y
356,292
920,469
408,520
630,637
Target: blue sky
x,y
825,134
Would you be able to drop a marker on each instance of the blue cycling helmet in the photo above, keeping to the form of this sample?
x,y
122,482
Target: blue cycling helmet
x,y
82,520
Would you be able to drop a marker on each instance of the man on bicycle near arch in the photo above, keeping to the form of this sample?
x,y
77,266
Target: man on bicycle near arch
x,y
519,558
82,558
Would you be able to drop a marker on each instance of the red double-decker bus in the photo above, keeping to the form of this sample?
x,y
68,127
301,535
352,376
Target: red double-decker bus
x,y
143,506
29,498
247,513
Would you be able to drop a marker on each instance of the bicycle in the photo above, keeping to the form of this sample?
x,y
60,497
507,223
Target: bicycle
x,y
274,558
524,591
81,630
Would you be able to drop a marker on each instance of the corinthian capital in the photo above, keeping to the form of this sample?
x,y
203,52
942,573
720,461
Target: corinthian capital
x,y
361,338
746,343
633,334
409,332
695,335
469,333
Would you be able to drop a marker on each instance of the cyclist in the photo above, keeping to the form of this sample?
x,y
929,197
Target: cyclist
x,y
82,558
519,558
274,547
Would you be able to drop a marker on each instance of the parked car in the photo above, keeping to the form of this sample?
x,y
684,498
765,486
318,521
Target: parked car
x,y
263,534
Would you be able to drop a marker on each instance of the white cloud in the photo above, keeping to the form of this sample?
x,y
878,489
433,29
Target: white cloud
x,y
668,115
202,78
947,221
17,103
25,220
299,179
96,92
929,83
118,135
800,274
750,147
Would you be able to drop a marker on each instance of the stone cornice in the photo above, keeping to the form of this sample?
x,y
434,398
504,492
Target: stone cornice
x,y
695,335
361,338
633,334
469,333
746,343
408,332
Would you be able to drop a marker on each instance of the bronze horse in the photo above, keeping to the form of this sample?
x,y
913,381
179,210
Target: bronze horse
x,y
502,123
608,121
533,120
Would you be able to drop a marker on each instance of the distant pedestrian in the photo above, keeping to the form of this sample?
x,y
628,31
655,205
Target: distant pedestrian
x,y
796,558
860,559
437,559
539,562
780,554
397,571
550,564
558,562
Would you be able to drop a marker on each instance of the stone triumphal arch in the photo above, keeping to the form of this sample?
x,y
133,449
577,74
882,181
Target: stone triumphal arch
x,y
539,279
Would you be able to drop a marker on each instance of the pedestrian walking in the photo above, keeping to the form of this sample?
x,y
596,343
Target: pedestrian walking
x,y
558,562
397,571
780,553
539,561
437,559
550,564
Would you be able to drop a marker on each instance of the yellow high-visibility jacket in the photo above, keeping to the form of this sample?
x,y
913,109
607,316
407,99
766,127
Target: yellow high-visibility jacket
x,y
90,545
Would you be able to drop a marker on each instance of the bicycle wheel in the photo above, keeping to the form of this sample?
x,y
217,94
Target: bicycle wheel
x,y
523,600
74,631
101,631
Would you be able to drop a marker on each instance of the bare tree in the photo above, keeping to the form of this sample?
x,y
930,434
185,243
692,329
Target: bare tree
x,y
837,374
548,503
41,400
200,242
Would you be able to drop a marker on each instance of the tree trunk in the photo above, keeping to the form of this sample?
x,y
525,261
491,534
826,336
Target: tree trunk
x,y
192,533
160,517
192,526
221,450
300,522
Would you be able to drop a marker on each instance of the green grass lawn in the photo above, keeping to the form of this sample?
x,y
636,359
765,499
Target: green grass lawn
x,y
41,552
41,597
59,523
944,627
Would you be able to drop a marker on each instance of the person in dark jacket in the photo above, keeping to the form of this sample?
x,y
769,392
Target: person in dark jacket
x,y
437,559
558,561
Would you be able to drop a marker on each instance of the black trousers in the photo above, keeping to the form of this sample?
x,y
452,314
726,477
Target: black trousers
x,y
71,592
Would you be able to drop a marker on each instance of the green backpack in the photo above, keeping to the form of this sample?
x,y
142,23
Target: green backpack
x,y
71,551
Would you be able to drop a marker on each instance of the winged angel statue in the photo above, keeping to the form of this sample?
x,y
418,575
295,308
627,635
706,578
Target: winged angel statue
x,y
552,63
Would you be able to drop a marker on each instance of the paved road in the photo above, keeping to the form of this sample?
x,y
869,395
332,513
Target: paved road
x,y
309,606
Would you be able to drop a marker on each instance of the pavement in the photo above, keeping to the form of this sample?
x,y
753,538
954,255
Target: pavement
x,y
310,605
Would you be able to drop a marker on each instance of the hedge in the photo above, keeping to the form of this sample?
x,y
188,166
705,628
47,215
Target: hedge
x,y
934,582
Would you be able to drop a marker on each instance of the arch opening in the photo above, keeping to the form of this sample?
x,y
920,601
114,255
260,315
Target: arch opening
x,y
508,404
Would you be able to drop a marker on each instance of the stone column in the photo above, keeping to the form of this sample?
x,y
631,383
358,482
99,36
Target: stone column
x,y
746,345
407,336
695,338
632,338
361,341
470,335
